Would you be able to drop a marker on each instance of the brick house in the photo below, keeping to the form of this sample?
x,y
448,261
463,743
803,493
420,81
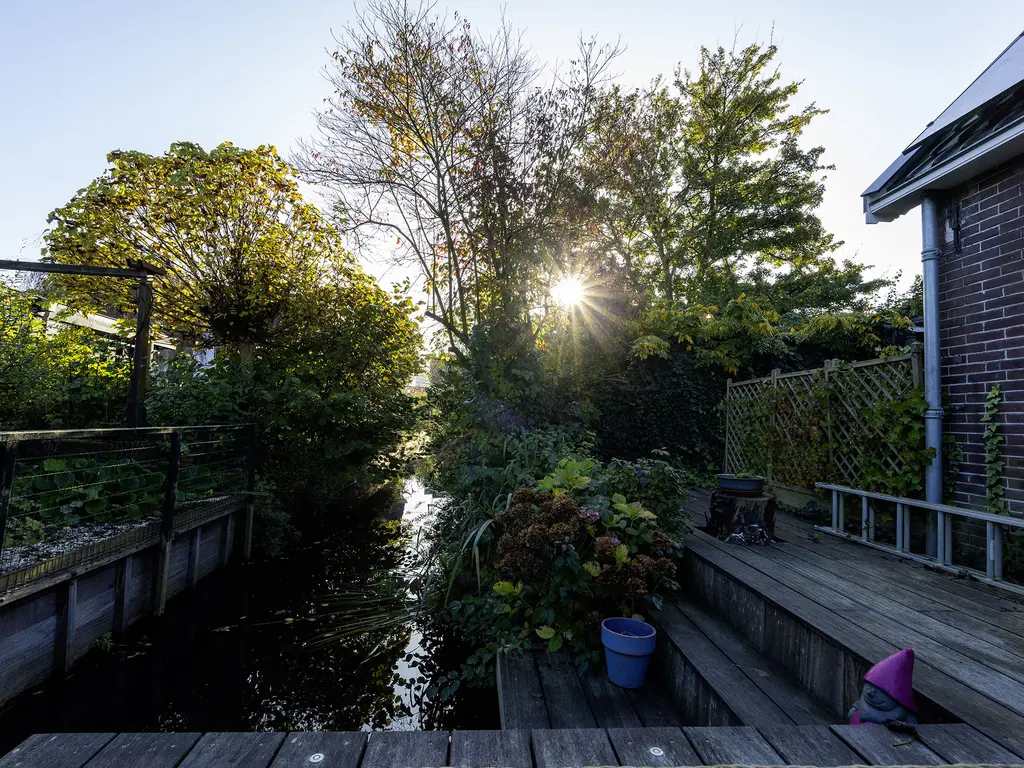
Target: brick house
x,y
966,173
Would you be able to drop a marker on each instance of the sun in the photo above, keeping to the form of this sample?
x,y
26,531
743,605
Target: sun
x,y
568,291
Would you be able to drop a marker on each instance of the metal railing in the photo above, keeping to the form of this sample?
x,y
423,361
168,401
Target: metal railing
x,y
944,516
70,499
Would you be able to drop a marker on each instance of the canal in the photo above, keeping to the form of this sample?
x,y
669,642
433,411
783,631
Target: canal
x,y
251,650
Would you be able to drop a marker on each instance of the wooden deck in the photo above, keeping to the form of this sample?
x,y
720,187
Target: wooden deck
x,y
827,609
768,745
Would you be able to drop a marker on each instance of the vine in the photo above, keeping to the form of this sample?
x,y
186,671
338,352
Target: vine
x,y
995,489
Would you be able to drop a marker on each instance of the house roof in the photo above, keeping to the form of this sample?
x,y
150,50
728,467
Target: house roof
x,y
982,128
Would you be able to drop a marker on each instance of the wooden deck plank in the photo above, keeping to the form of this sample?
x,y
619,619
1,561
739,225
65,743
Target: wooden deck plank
x,y
880,746
572,747
923,591
145,750
56,750
563,694
245,750
504,749
402,749
744,699
833,594
960,743
808,745
741,745
520,695
633,747
610,705
654,707
911,573
946,636
340,749
776,683
776,585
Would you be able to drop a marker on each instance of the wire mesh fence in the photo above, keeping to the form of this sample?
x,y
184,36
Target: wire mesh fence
x,y
74,497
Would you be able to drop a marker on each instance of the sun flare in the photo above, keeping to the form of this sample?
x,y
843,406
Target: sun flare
x,y
568,291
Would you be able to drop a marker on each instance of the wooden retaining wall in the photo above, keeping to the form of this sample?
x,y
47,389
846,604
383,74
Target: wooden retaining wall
x,y
45,630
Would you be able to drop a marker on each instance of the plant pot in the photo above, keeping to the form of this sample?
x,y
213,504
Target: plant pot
x,y
628,645
742,486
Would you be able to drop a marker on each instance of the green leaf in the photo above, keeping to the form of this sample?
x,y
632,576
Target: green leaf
x,y
505,588
555,643
621,554
545,633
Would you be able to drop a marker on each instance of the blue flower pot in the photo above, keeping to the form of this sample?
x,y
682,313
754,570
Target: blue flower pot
x,y
628,645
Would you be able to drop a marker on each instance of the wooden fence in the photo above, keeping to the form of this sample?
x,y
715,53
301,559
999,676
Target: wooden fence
x,y
801,428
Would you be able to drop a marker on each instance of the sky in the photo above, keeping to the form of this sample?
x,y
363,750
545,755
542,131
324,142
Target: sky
x,y
79,78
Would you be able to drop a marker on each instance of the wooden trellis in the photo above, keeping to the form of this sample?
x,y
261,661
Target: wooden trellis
x,y
811,426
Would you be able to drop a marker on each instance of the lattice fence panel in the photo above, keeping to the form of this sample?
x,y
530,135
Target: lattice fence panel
x,y
810,426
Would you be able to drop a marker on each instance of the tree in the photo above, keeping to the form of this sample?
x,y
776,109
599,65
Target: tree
x,y
439,141
240,245
707,179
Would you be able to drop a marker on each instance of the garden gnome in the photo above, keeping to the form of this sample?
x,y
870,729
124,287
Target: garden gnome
x,y
888,693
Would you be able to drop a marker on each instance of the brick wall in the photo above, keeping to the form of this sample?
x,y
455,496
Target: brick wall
x,y
982,315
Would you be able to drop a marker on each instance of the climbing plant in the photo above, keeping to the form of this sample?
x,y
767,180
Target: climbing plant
x,y
995,491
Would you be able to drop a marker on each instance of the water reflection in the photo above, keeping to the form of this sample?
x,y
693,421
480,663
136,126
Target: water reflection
x,y
229,659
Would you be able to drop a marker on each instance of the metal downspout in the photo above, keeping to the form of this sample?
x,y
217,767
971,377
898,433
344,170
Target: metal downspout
x,y
930,250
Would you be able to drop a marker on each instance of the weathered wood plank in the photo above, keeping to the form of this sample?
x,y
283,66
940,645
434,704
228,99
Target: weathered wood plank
x,y
610,704
861,633
808,745
340,749
503,749
652,747
56,750
880,746
572,747
566,702
67,623
749,704
406,749
245,750
776,684
740,744
520,696
960,743
28,628
653,707
145,750
94,608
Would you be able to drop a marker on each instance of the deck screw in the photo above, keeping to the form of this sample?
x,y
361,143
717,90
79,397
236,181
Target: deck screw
x,y
657,751
316,757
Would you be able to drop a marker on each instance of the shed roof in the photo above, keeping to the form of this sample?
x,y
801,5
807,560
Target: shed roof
x,y
983,127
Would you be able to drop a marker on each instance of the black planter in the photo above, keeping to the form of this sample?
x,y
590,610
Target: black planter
x,y
741,486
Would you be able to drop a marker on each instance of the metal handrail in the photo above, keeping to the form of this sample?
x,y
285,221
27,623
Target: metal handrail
x,y
944,529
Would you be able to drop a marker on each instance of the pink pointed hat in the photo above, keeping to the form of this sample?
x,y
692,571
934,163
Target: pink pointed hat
x,y
894,675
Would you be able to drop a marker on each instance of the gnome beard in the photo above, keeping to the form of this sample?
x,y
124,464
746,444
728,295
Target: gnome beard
x,y
888,693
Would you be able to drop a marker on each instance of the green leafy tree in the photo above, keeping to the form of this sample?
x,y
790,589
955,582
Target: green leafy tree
x,y
241,247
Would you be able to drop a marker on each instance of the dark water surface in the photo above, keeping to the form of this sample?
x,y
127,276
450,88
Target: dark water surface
x,y
227,659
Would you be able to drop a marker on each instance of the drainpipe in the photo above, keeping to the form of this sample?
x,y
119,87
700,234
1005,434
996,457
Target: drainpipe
x,y
930,239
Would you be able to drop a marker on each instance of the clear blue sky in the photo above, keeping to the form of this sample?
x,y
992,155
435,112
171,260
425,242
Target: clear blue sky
x,y
79,78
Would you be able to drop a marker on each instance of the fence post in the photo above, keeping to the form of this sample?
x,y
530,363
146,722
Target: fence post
x,y
775,421
830,366
250,492
167,526
8,456
728,394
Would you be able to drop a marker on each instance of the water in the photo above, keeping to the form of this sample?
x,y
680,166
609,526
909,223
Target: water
x,y
227,659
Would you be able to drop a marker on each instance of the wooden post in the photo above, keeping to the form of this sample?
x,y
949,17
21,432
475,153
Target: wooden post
x,y
122,593
728,394
64,640
227,528
194,540
166,526
863,518
775,421
830,366
250,492
135,412
8,457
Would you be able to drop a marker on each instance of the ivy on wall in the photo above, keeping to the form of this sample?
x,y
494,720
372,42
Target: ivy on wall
x,y
995,486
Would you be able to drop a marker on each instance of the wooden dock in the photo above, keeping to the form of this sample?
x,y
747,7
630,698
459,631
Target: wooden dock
x,y
767,745
825,610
